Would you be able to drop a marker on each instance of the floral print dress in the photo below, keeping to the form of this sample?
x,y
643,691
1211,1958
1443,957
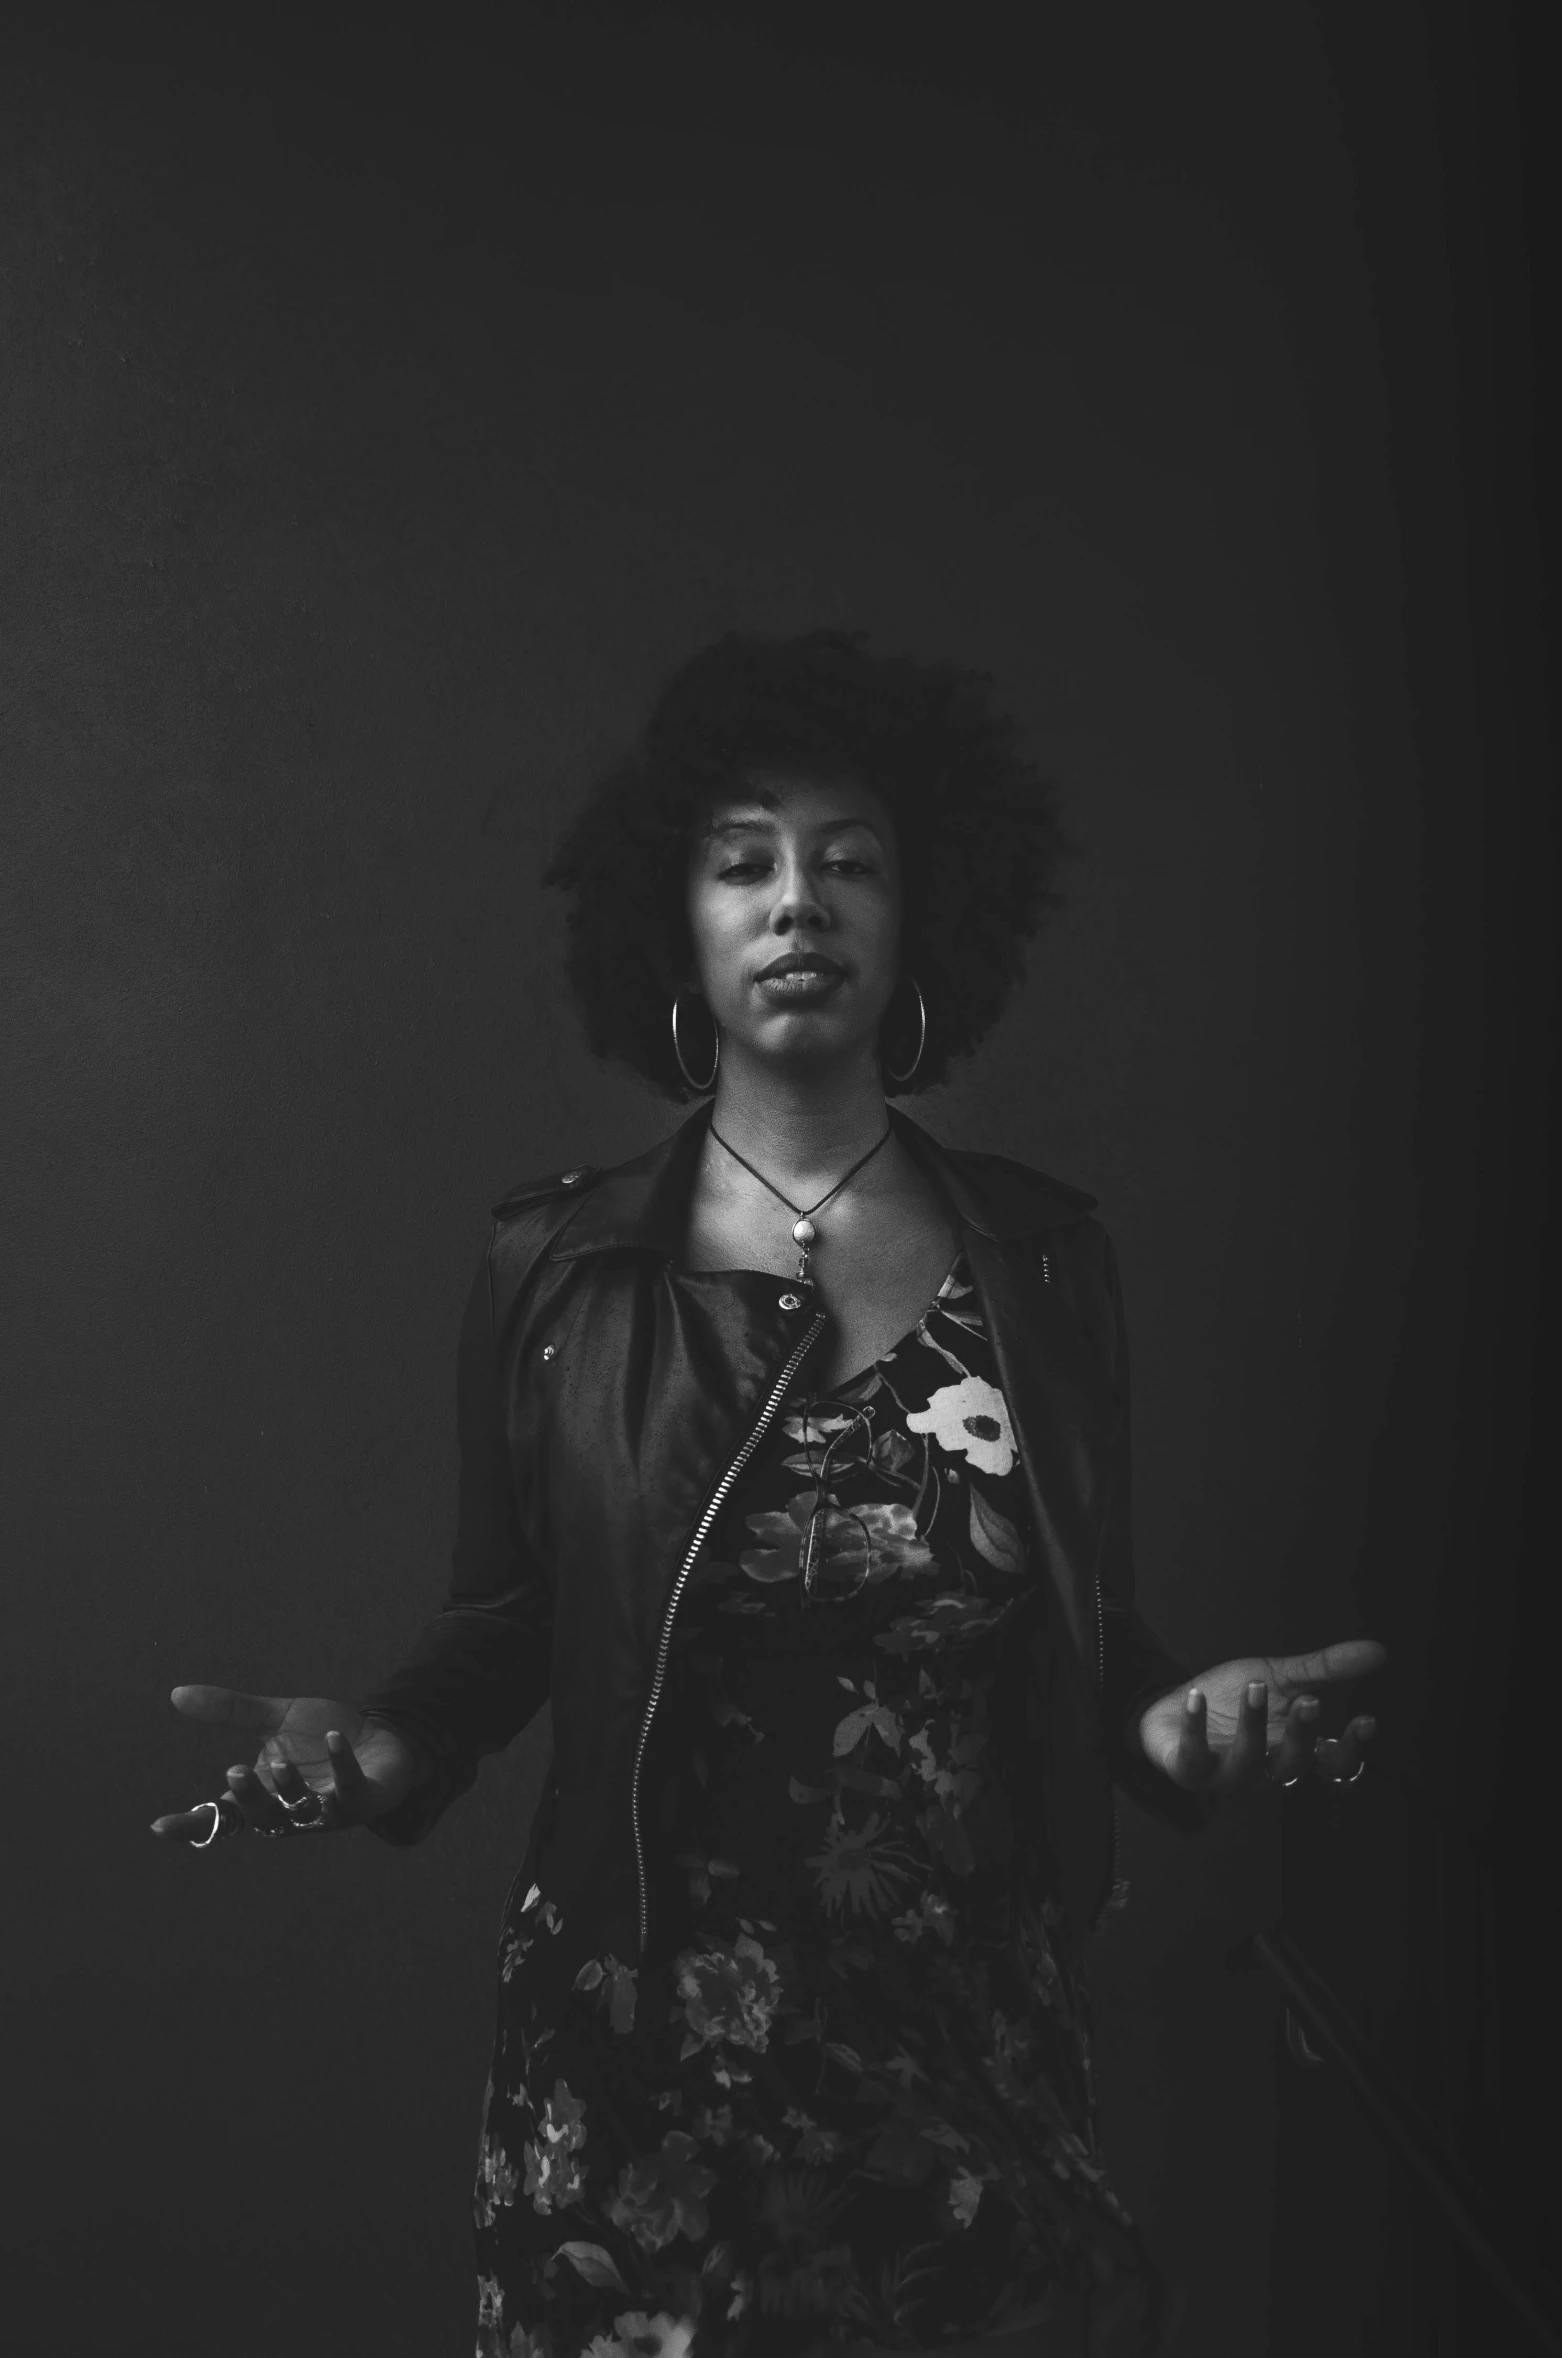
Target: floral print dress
x,y
847,2094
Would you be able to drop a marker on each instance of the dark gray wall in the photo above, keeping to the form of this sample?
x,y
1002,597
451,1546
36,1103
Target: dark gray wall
x,y
363,473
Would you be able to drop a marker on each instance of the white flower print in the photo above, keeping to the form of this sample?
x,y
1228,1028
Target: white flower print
x,y
554,2177
498,2182
490,2301
816,1427
639,2336
971,1420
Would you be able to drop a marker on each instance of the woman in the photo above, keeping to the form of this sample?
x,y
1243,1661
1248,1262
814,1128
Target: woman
x,y
795,1472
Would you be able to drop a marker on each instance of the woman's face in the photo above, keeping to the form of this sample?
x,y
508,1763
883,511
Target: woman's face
x,y
794,908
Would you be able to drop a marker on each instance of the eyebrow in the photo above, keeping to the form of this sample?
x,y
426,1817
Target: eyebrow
x,y
765,825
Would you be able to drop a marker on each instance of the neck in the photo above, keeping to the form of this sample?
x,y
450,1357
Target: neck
x,y
802,1126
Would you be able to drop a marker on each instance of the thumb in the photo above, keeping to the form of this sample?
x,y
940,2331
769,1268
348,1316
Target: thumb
x,y
1330,1665
227,1707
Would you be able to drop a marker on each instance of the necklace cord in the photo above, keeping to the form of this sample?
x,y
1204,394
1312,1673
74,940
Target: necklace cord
x,y
803,1211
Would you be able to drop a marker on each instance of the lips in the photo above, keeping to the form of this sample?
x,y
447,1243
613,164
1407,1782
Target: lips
x,y
800,962
803,978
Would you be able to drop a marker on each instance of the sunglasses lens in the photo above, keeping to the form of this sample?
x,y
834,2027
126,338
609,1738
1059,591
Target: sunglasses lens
x,y
835,1554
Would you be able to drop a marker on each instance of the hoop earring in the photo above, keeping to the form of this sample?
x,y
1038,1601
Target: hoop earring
x,y
900,1079
699,1087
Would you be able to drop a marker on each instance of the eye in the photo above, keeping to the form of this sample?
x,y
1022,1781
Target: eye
x,y
740,870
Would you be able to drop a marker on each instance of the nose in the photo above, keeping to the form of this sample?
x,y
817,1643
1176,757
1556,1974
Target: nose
x,y
797,905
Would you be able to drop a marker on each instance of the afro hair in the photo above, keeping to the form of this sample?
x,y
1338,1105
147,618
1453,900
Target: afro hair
x,y
976,824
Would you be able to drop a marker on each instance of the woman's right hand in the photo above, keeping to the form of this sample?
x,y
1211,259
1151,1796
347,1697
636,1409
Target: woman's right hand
x,y
356,1768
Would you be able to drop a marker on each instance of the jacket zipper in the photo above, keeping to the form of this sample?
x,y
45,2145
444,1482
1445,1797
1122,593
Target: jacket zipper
x,y
713,1507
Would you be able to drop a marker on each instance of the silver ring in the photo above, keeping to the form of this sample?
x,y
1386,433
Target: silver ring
x,y
227,1818
306,1815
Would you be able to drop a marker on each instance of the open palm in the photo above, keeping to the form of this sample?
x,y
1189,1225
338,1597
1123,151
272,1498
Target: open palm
x,y
1259,1714
310,1744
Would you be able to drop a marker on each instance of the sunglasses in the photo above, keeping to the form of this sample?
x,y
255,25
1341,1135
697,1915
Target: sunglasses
x,y
837,1552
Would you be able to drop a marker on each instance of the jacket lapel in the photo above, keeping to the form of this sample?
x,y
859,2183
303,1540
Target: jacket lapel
x,y
1067,1420
1067,1407
641,1205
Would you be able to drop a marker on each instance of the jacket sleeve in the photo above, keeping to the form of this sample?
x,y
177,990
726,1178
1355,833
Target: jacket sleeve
x,y
1136,1666
479,1671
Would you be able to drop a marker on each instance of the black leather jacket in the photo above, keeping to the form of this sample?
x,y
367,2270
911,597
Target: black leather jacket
x,y
608,1399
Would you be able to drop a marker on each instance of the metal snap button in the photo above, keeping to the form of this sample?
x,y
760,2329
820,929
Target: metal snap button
x,y
573,1178
550,1350
789,1302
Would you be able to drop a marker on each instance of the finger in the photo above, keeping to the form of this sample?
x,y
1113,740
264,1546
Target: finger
x,y
292,1786
1292,1756
1194,1765
1339,1757
260,1805
1331,1665
287,1780
185,1825
228,1707
1245,1754
349,1785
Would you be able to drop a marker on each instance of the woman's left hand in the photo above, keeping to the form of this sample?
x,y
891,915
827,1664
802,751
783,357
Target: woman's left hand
x,y
1259,1714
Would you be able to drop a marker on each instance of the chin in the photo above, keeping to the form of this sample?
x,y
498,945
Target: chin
x,y
799,1039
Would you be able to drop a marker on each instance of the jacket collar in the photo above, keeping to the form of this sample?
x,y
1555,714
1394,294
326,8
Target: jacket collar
x,y
642,1205
988,1192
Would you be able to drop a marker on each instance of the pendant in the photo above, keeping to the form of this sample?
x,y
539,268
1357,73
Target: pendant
x,y
804,1232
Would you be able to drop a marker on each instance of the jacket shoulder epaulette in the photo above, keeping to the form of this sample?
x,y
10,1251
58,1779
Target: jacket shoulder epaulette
x,y
560,1184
